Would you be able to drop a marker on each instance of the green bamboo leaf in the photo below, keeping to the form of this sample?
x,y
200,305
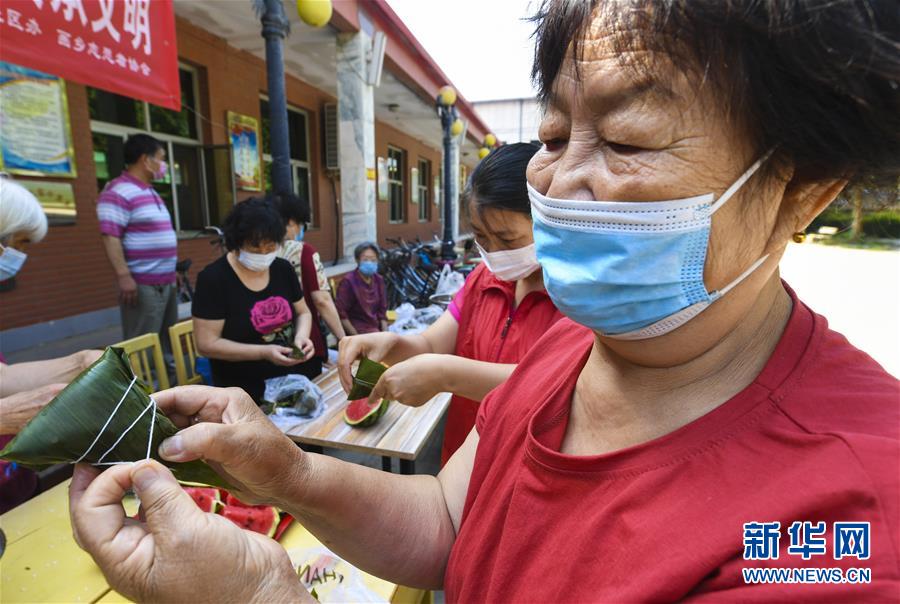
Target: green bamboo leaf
x,y
63,430
367,375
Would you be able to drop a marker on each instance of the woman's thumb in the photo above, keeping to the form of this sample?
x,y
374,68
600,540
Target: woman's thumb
x,y
165,504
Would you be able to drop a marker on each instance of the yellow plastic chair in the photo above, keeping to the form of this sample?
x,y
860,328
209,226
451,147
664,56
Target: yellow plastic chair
x,y
140,350
184,349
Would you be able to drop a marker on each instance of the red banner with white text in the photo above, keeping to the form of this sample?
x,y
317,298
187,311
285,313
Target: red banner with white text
x,y
123,46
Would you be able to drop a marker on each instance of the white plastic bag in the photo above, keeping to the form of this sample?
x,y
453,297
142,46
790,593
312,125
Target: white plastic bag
x,y
418,321
309,398
449,283
334,579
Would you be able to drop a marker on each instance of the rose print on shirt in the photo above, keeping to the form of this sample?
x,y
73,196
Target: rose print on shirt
x,y
273,319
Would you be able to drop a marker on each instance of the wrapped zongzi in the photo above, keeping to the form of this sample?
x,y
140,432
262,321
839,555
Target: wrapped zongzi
x,y
367,375
104,416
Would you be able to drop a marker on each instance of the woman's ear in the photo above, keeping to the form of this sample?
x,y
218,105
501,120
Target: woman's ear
x,y
803,200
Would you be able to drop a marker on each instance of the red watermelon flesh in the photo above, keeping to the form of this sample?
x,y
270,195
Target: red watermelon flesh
x,y
261,519
361,413
230,499
206,498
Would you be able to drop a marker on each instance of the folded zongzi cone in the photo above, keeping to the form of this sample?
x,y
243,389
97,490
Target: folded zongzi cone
x,y
64,430
367,375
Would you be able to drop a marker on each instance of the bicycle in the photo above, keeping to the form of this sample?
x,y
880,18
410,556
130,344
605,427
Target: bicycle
x,y
184,291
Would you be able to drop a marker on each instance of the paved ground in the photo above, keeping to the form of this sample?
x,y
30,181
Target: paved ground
x,y
858,291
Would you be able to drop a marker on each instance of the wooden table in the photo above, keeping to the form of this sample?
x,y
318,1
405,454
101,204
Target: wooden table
x,y
401,432
42,562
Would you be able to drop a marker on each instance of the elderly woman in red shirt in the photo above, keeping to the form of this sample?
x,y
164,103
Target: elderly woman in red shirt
x,y
695,431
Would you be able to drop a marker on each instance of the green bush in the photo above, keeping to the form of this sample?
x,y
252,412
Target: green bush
x,y
833,217
883,224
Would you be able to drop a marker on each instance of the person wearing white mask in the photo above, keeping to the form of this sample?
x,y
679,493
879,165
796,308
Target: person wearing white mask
x,y
250,318
494,320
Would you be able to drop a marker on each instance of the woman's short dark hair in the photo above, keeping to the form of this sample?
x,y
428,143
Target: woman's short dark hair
x,y
291,207
362,247
138,145
252,222
819,79
498,181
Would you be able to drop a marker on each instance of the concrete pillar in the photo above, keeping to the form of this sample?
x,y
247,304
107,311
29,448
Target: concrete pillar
x,y
356,133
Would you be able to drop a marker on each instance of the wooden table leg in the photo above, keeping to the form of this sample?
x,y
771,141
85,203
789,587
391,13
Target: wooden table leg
x,y
407,466
386,464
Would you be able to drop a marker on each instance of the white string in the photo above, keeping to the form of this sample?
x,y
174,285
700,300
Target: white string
x,y
151,405
109,419
100,462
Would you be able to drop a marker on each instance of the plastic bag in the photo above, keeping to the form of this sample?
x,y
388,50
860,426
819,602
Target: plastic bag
x,y
292,399
334,579
418,321
449,283
405,312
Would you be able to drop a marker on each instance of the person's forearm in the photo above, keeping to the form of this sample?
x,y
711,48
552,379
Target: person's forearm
x,y
28,376
470,378
325,306
229,350
116,255
392,526
348,327
406,347
303,325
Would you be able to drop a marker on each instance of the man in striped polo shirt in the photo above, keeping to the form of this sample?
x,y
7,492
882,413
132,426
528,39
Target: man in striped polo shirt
x,y
140,242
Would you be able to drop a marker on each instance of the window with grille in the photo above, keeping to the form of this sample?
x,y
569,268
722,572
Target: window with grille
x,y
396,166
424,186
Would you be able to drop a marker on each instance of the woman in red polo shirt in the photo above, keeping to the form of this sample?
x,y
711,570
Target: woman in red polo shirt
x,y
493,321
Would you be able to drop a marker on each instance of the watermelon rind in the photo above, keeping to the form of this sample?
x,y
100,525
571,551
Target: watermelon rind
x,y
369,418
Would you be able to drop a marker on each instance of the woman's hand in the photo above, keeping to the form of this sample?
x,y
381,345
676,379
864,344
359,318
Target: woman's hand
x,y
306,347
279,355
375,346
413,382
17,410
180,554
229,432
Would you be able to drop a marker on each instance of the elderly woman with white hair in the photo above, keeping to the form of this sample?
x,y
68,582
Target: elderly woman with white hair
x,y
22,221
25,387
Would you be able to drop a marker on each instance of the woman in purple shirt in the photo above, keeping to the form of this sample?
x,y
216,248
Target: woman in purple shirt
x,y
361,299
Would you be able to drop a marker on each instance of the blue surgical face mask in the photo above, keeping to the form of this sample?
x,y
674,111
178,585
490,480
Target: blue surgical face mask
x,y
11,261
300,233
629,270
368,267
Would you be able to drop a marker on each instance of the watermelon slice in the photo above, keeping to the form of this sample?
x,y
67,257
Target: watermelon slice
x,y
362,414
260,519
206,498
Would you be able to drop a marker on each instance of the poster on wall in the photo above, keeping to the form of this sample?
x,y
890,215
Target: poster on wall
x,y
436,190
383,189
35,134
57,199
243,132
414,190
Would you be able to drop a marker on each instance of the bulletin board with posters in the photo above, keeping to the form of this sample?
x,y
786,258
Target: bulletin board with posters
x,y
243,132
35,133
57,199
